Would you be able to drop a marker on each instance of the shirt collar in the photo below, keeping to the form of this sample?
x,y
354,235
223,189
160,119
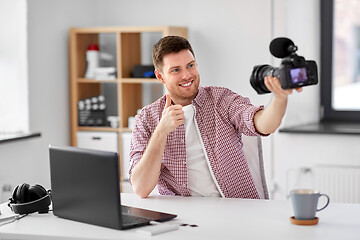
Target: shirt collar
x,y
199,99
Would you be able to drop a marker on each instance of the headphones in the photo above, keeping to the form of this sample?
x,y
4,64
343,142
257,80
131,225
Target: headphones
x,y
29,199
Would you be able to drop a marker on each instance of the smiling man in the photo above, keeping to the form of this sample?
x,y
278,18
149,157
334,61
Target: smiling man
x,y
188,142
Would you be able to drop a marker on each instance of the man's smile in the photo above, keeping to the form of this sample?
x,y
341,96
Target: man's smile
x,y
186,84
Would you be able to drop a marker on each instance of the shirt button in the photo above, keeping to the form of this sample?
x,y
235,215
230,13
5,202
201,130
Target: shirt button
x,y
184,162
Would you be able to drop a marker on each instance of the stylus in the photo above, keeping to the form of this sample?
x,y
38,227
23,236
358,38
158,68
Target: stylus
x,y
157,229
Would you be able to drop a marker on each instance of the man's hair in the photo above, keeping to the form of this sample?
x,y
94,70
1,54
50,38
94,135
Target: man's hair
x,y
166,45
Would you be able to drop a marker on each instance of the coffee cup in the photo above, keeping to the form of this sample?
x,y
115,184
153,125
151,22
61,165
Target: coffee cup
x,y
305,203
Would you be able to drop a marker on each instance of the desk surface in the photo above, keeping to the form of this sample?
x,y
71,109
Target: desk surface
x,y
217,218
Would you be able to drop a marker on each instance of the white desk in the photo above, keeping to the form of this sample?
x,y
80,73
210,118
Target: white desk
x,y
217,218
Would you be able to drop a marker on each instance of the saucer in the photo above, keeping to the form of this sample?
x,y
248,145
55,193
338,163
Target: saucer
x,y
304,222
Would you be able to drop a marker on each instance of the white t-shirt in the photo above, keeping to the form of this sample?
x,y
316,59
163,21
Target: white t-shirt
x,y
201,181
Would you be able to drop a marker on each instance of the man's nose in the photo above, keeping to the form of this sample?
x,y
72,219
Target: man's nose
x,y
186,74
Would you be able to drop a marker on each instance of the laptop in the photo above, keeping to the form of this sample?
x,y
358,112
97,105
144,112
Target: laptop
x,y
85,187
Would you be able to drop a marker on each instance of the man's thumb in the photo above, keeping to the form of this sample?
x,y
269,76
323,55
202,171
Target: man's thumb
x,y
168,101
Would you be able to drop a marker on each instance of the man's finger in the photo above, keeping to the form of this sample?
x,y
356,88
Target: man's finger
x,y
168,101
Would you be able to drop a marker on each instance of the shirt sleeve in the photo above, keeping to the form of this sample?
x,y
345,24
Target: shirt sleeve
x,y
241,114
139,140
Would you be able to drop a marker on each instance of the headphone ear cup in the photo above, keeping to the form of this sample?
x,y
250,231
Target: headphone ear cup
x,y
13,198
22,193
36,192
42,189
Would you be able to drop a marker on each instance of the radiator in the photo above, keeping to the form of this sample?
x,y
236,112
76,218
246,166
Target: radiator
x,y
340,183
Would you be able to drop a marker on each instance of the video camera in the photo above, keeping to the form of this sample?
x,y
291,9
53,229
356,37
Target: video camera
x,y
293,72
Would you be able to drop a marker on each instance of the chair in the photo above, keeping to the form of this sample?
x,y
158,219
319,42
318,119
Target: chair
x,y
253,153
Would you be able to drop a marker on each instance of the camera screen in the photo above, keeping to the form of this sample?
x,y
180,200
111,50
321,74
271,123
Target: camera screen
x,y
298,75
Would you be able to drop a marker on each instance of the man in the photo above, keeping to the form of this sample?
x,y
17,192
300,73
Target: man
x,y
188,142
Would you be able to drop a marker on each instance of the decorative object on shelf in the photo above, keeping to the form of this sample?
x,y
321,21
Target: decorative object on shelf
x,y
92,59
131,119
105,73
143,71
91,111
114,121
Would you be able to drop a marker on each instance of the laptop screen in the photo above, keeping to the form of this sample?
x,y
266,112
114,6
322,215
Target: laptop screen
x,y
85,185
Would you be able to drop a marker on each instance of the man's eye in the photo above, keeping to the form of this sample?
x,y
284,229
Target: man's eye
x,y
174,70
191,65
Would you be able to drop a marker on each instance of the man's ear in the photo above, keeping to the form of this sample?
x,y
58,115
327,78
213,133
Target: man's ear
x,y
158,75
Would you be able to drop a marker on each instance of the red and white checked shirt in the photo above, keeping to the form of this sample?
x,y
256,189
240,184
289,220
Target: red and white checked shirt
x,y
222,116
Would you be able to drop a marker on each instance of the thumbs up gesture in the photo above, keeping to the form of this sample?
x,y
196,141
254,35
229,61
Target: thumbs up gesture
x,y
168,101
172,116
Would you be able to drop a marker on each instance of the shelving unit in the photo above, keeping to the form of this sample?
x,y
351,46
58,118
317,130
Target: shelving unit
x,y
129,90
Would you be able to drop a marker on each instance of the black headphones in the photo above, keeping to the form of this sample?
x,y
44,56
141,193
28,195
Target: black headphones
x,y
29,199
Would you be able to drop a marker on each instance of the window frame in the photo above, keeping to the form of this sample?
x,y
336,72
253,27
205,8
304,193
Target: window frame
x,y
328,113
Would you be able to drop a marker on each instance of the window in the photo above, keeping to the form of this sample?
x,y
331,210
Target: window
x,y
340,60
14,115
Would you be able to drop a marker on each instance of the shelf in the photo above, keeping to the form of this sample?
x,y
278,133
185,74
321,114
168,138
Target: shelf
x,y
166,30
104,129
100,129
9,137
126,130
346,128
87,80
139,80
129,46
122,80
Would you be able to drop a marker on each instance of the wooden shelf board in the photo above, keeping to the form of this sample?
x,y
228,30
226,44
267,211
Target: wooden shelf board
x,y
139,80
102,129
126,130
87,80
121,80
125,29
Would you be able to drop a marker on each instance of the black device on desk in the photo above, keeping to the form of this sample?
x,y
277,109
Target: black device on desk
x,y
85,188
30,199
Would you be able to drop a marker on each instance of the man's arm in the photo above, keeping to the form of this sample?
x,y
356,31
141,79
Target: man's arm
x,y
145,174
268,120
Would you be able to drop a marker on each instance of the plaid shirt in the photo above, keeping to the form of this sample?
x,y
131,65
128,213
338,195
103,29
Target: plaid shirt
x,y
222,116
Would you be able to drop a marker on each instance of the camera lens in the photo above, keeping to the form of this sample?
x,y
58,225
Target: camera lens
x,y
257,78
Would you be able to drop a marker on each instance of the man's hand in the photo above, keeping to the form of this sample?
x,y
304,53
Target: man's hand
x,y
172,116
268,120
274,85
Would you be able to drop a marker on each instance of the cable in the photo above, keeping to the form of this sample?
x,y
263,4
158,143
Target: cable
x,y
15,218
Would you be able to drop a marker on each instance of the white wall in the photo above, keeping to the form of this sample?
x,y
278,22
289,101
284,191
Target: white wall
x,y
48,24
229,38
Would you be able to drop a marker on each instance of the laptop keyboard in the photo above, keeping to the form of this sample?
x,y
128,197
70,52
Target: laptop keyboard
x,y
128,219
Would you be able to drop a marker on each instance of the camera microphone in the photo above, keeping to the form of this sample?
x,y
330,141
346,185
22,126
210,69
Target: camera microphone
x,y
282,47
